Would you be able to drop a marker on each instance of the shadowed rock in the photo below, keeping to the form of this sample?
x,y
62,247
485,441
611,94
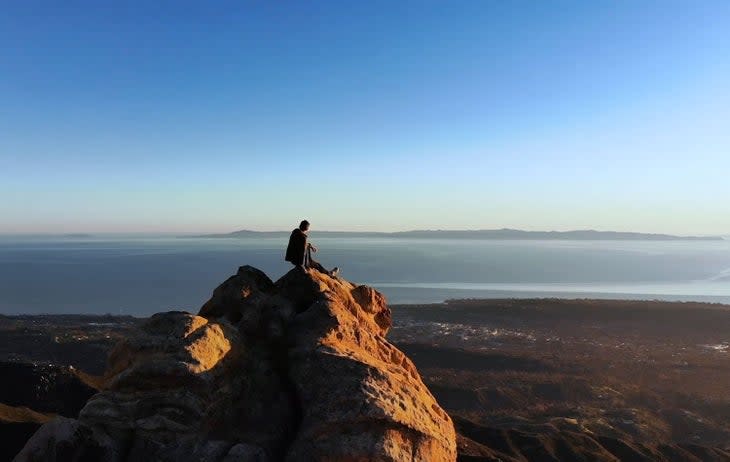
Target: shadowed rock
x,y
237,295
31,395
44,387
297,370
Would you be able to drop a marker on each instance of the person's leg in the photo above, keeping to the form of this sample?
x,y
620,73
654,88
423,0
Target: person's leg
x,y
314,264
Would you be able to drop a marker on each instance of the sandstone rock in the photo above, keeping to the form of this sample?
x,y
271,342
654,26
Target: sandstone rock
x,y
64,439
158,387
237,295
297,370
362,399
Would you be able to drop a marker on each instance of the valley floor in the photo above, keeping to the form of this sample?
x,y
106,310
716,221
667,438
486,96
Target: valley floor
x,y
635,372
637,378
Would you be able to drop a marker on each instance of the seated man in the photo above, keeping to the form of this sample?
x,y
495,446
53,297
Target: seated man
x,y
299,251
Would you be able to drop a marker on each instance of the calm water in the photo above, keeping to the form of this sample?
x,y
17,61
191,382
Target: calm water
x,y
143,275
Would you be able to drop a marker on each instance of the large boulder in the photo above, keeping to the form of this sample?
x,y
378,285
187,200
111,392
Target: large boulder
x,y
297,370
157,389
361,398
238,295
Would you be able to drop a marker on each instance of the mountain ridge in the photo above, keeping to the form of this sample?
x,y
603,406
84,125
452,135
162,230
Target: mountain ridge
x,y
486,234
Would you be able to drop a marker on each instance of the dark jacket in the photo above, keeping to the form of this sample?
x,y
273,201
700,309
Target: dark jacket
x,y
297,247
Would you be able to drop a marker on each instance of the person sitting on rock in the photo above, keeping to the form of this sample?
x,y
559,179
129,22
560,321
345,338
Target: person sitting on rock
x,y
299,251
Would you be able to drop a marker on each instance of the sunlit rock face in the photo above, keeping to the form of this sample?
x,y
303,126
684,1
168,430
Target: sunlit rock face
x,y
292,370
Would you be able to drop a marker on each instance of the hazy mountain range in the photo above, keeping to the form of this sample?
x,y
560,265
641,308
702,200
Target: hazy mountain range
x,y
587,235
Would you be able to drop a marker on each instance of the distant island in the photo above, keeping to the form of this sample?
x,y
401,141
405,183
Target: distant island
x,y
496,234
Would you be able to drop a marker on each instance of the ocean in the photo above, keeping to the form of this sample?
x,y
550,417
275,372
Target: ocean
x,y
140,275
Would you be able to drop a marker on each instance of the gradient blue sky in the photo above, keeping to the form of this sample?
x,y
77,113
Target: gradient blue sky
x,y
213,116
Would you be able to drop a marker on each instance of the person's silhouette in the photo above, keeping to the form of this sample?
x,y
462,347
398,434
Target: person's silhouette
x,y
299,251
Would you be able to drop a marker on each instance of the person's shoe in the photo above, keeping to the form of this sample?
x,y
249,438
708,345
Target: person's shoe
x,y
334,271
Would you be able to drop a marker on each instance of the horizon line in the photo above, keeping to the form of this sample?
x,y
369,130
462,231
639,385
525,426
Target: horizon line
x,y
432,230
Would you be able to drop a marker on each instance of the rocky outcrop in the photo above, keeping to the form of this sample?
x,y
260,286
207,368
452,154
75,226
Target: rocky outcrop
x,y
296,370
360,395
17,424
34,393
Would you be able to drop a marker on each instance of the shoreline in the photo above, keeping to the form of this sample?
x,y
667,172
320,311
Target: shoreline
x,y
456,303
595,303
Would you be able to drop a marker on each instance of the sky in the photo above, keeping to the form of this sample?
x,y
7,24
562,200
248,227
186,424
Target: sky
x,y
378,115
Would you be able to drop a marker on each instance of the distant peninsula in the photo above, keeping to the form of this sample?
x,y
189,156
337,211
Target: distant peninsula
x,y
493,234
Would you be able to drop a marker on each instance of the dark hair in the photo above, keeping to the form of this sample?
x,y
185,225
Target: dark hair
x,y
304,225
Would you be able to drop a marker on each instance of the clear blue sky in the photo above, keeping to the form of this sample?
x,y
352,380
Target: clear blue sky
x,y
215,116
